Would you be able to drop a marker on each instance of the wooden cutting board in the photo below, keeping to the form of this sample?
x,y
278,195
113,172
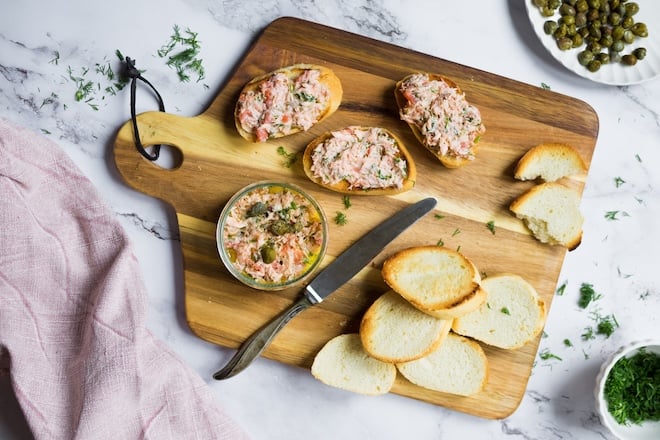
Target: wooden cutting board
x,y
216,162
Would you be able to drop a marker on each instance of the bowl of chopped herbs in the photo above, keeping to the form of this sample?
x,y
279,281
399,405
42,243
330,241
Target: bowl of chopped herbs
x,y
628,391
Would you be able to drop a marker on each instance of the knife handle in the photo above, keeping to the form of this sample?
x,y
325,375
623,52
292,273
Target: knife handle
x,y
259,340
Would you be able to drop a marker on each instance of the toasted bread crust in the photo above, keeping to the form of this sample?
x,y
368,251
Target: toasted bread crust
x,y
343,186
449,161
539,160
328,77
441,300
536,193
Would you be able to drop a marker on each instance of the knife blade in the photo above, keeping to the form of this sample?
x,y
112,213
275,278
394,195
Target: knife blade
x,y
336,274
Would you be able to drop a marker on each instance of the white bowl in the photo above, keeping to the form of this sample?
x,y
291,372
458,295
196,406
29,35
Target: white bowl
x,y
645,431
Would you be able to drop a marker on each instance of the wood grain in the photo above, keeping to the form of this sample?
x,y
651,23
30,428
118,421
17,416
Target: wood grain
x,y
217,162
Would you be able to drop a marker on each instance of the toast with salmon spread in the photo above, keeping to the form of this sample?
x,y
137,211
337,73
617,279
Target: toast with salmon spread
x,y
286,101
440,117
364,160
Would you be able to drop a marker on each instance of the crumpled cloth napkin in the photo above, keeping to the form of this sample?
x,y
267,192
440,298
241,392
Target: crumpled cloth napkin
x,y
72,313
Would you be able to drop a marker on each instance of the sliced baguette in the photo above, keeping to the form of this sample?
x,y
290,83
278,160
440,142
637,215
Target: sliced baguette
x,y
550,162
343,363
392,330
448,153
458,366
435,280
512,315
330,84
360,160
551,211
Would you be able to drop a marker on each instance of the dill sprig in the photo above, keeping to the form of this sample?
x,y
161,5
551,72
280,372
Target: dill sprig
x,y
182,52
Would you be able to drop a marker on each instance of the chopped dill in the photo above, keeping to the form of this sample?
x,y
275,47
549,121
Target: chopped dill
x,y
182,52
491,226
289,158
505,311
347,201
340,218
587,295
547,355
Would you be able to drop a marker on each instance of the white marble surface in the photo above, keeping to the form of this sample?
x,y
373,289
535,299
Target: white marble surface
x,y
275,401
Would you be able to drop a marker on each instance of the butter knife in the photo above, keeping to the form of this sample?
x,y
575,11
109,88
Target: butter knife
x,y
340,271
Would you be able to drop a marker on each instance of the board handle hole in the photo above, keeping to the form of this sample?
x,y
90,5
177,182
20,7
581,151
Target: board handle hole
x,y
170,157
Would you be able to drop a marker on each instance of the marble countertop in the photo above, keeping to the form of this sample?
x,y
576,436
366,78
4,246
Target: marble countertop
x,y
44,44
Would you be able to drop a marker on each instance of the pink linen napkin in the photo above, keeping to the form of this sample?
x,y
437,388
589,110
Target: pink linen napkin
x,y
72,313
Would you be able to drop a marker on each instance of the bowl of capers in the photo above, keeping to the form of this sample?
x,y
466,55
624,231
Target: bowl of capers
x,y
272,235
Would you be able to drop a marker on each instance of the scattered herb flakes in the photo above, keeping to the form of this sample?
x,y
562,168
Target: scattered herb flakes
x,y
544,86
560,290
347,201
44,131
491,226
638,157
588,334
439,216
644,295
618,181
505,310
340,218
458,248
606,325
587,295
289,158
568,343
612,215
621,274
56,58
456,232
631,388
546,354
488,305
440,242
182,52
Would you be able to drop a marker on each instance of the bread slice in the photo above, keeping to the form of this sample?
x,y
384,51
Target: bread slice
x,y
450,131
436,280
360,160
512,315
458,366
392,330
551,211
262,114
343,363
550,162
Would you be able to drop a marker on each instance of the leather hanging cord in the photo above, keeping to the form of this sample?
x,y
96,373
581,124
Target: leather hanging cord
x,y
135,75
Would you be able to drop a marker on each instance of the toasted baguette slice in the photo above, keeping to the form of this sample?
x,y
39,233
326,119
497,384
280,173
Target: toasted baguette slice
x,y
343,363
458,366
360,160
512,315
392,330
550,162
287,107
551,211
434,279
440,139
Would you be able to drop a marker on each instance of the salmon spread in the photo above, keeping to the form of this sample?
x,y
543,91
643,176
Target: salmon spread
x,y
448,124
273,234
281,105
365,158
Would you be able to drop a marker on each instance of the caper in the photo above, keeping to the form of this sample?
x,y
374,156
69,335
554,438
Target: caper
x,y
279,227
580,19
577,40
629,59
640,53
594,31
268,253
640,29
614,4
617,46
561,31
606,41
585,57
564,43
540,3
604,58
554,4
594,4
593,15
568,20
258,209
594,47
582,6
627,22
614,18
547,11
605,8
593,66
570,2
550,26
567,9
632,8
617,32
628,36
